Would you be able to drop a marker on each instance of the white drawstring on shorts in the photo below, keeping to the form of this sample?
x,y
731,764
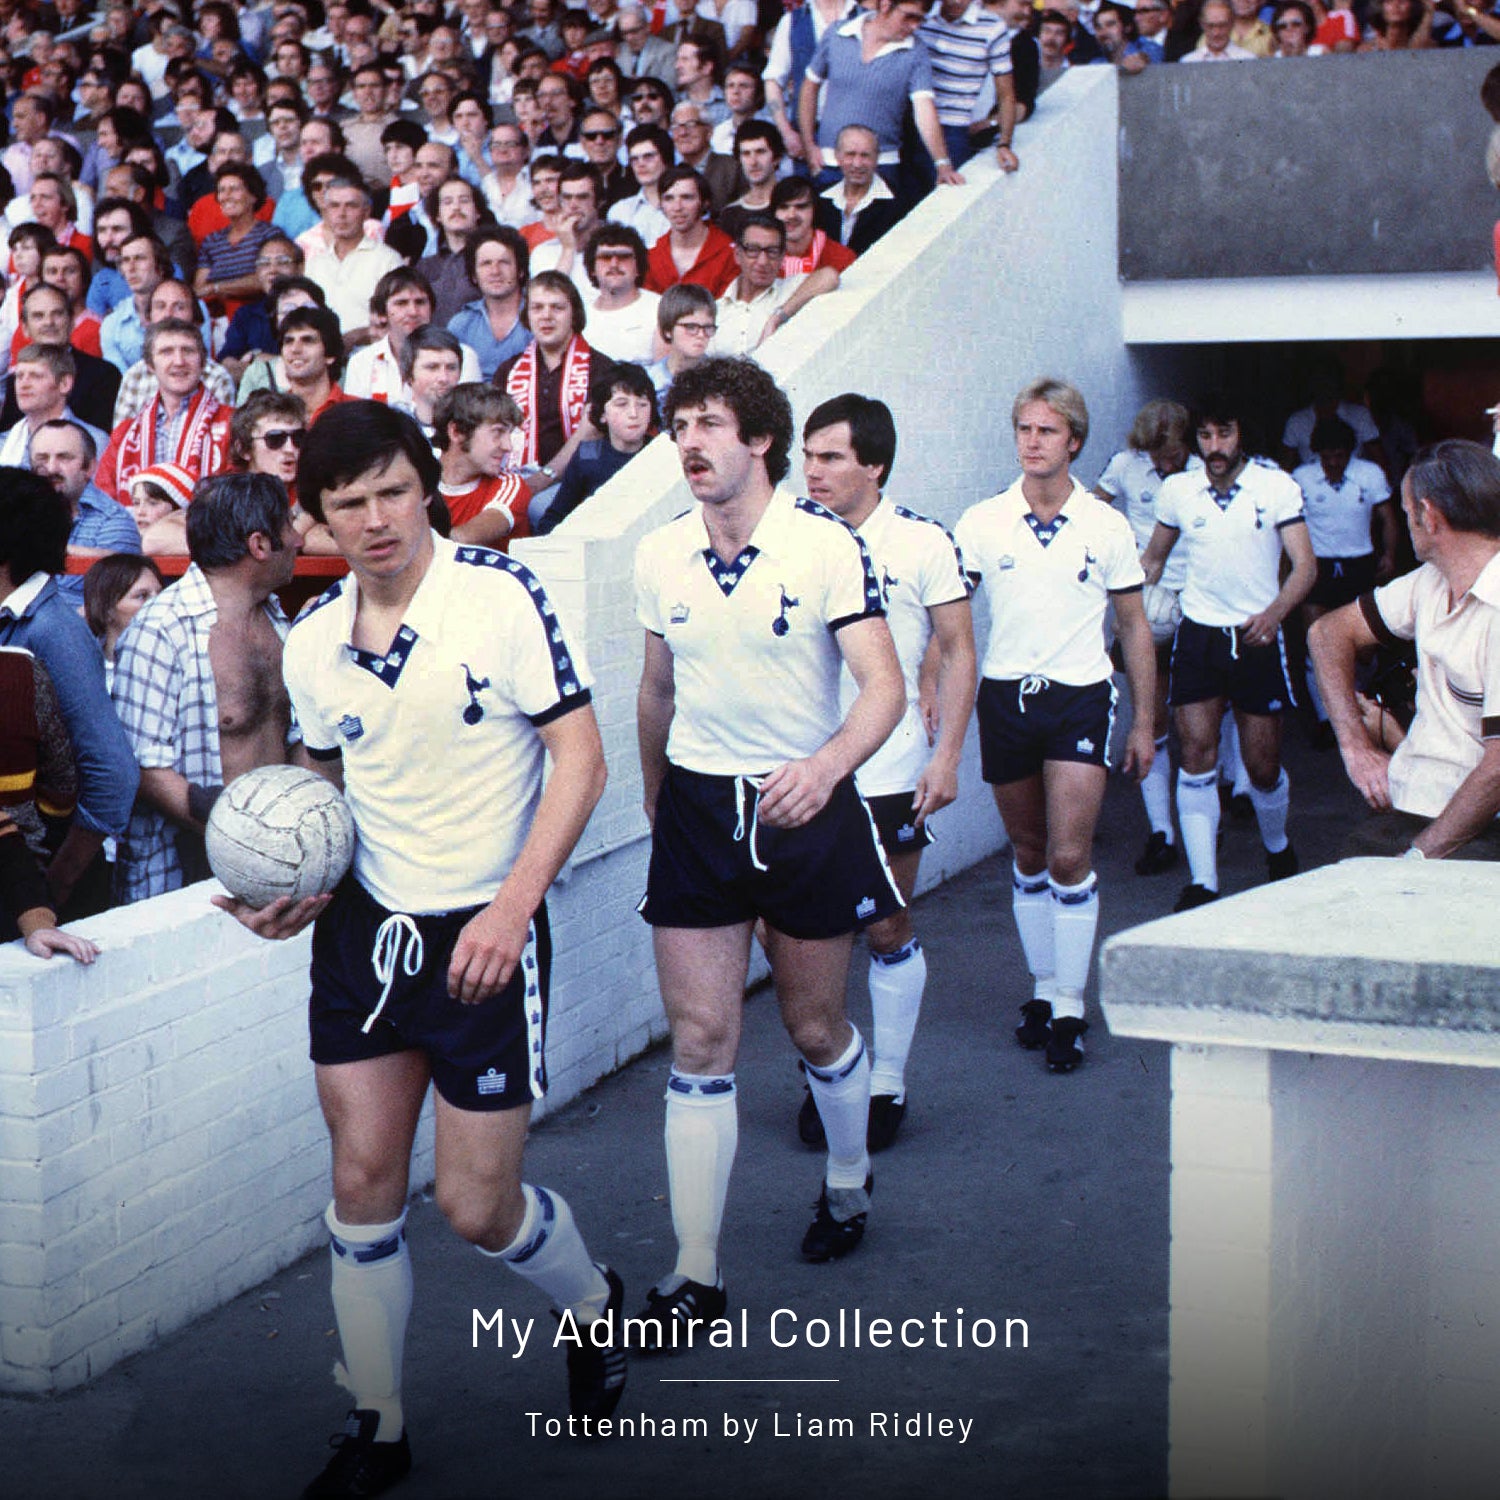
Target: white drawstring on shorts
x,y
1232,631
397,944
747,790
1032,684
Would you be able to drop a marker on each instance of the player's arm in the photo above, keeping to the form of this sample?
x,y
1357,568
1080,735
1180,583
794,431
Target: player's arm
x,y
655,703
957,678
491,944
1385,526
1260,630
797,791
1335,643
1139,651
1158,550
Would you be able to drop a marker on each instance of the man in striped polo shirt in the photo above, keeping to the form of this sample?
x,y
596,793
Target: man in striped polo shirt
x,y
966,43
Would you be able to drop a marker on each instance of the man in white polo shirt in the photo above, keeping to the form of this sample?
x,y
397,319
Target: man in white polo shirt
x,y
848,448
1234,521
753,603
1052,558
761,299
1438,796
434,670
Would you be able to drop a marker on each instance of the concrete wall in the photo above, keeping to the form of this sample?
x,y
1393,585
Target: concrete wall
x,y
160,1146
1306,166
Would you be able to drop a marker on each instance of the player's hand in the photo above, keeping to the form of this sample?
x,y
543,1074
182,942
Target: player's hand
x,y
487,952
1140,751
282,918
795,793
1260,630
1370,771
937,786
46,941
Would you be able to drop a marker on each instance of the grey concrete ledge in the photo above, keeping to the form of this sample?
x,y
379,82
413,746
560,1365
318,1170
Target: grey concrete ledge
x,y
1395,957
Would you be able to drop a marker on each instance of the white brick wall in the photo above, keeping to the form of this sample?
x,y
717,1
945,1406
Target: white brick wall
x,y
160,1143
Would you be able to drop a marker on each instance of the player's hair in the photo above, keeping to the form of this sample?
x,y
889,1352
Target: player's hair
x,y
1066,400
555,281
1332,433
630,378
760,408
85,437
469,406
428,336
34,526
1461,481
872,429
227,510
1221,409
108,581
355,438
617,237
1158,423
252,411
681,301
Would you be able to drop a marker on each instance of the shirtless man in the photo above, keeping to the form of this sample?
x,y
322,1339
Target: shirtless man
x,y
198,682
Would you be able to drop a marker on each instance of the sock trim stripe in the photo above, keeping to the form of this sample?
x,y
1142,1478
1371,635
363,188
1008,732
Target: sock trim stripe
x,y
899,956
363,1255
824,1075
707,1088
1030,884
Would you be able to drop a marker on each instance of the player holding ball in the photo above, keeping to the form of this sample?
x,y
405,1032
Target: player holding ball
x,y
432,668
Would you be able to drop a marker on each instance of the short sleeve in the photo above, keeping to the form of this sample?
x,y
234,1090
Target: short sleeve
x,y
851,589
942,579
547,676
1168,512
1377,486
1111,480
921,74
817,67
147,692
966,540
1395,606
318,736
1122,564
647,599
1288,505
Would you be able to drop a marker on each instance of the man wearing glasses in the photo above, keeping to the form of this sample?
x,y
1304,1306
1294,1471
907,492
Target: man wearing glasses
x,y
507,185
762,299
252,331
599,135
641,55
692,129
651,153
686,319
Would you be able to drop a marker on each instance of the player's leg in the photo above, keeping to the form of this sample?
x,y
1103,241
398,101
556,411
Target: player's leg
x,y
1074,792
1023,810
1160,854
371,1109
1198,797
532,1230
898,978
810,976
701,971
1270,788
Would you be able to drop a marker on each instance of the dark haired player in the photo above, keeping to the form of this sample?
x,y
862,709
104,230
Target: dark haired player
x,y
430,962
753,603
848,447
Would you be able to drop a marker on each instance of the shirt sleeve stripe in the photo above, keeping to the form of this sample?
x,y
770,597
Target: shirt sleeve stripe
x,y
579,700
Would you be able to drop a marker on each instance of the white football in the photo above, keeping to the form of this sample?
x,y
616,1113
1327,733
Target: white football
x,y
1163,611
280,831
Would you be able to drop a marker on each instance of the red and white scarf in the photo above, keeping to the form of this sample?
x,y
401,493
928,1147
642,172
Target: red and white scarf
x,y
573,395
201,448
805,265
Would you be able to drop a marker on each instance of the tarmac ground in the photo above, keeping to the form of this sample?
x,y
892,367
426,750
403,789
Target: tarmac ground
x,y
1012,1194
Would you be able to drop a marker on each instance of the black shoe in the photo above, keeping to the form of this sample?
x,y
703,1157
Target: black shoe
x,y
886,1115
361,1466
1065,1046
1036,1024
596,1377
809,1121
1159,857
1241,808
1283,864
669,1314
1193,896
830,1238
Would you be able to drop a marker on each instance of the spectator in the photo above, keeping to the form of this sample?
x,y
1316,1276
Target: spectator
x,y
507,185
761,299
793,43
364,134
34,527
312,358
159,498
1216,24
402,300
116,221
1249,31
969,46
686,320
651,152
251,330
692,249
144,264
64,452
499,263
859,207
559,105
486,502
46,318
227,276
1118,37
623,407
807,248
691,133
745,95
759,154
696,68
43,378
1293,27
171,299
198,718
114,590
1152,17
55,207
431,365
639,54
599,135
622,317
355,261
1399,26
580,203
67,268
460,212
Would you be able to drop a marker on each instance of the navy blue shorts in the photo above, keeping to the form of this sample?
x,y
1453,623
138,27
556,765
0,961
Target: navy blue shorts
x,y
1026,721
895,824
484,1057
1213,661
1341,580
714,864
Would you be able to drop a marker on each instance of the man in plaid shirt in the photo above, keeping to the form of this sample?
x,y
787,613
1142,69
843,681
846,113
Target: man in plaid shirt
x,y
198,682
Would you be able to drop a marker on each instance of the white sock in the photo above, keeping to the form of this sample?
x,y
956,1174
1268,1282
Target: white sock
x,y
1031,902
842,1093
371,1303
1314,696
1198,814
1231,765
549,1252
1075,916
702,1132
1156,792
897,981
1270,813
